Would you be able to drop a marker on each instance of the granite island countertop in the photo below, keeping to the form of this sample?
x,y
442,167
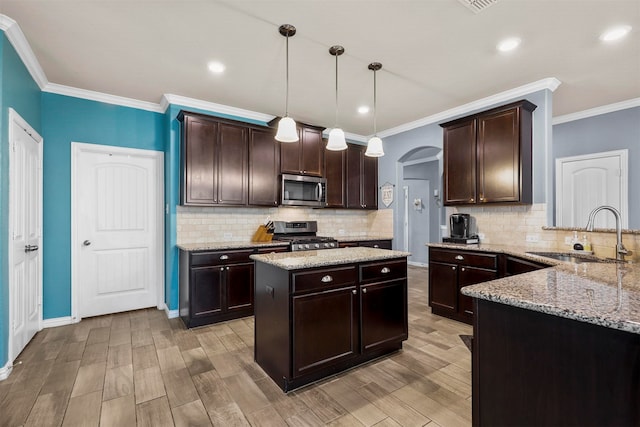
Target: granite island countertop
x,y
326,257
601,293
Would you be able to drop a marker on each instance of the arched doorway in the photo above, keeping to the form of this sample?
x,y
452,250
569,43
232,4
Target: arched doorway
x,y
418,210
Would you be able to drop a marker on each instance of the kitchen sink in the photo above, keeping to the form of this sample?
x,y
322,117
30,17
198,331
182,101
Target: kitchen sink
x,y
564,256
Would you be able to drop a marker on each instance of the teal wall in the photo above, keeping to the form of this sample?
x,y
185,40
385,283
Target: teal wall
x,y
65,120
19,91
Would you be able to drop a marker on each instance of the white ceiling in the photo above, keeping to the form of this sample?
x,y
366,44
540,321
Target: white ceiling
x,y
436,54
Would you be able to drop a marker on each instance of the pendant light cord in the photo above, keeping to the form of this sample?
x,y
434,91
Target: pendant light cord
x,y
336,91
286,102
375,109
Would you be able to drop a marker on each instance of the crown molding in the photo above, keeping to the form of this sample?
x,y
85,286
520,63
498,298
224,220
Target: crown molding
x,y
550,83
354,137
623,105
21,45
102,97
184,101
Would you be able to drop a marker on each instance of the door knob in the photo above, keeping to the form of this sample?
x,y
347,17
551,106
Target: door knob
x,y
87,243
30,248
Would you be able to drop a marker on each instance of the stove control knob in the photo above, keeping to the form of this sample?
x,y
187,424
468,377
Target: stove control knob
x,y
317,245
327,245
306,246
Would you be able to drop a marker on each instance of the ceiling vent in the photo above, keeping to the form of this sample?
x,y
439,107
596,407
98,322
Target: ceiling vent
x,y
478,6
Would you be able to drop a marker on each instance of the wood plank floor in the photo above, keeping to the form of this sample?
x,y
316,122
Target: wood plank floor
x,y
140,368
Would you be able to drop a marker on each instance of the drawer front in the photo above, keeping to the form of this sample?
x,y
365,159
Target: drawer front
x,y
272,249
327,278
220,257
383,270
473,259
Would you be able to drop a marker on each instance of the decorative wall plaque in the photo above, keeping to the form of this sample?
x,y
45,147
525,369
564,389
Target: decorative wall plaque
x,y
387,193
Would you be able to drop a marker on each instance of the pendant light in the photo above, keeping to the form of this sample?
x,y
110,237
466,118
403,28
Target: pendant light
x,y
287,131
374,146
337,141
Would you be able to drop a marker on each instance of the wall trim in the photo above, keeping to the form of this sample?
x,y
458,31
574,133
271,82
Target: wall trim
x,y
58,321
597,111
168,99
101,97
6,370
21,45
550,83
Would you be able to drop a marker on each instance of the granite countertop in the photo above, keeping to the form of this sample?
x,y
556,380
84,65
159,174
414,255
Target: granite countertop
x,y
602,293
326,257
214,246
359,239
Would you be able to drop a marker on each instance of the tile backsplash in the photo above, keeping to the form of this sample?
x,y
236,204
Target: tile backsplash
x,y
512,225
202,225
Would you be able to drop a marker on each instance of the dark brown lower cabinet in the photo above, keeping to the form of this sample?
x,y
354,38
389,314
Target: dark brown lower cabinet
x,y
312,323
216,285
536,369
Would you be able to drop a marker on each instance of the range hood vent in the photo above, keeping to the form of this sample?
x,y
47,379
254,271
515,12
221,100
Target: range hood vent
x,y
478,6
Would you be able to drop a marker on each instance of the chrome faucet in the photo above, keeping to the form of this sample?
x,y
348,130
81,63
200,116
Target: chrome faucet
x,y
621,251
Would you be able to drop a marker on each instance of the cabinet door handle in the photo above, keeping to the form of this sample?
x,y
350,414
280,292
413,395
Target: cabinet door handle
x,y
453,268
459,257
472,199
354,292
385,270
364,290
461,269
223,257
221,268
327,279
468,312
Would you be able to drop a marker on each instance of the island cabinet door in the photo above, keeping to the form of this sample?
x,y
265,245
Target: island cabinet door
x,y
206,291
325,329
383,310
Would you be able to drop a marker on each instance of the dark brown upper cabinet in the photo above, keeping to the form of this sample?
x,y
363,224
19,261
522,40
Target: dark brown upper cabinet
x,y
264,167
361,178
304,157
488,156
226,162
334,172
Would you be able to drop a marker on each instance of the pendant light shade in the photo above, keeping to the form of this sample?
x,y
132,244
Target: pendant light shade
x,y
337,140
374,146
287,131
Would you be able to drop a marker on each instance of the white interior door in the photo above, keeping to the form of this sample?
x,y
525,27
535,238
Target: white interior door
x,y
586,182
118,203
25,233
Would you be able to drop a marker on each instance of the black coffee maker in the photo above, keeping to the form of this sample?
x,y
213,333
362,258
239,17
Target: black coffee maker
x,y
459,224
460,229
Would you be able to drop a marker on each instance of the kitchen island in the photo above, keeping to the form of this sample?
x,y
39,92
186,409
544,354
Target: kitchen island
x,y
559,346
321,312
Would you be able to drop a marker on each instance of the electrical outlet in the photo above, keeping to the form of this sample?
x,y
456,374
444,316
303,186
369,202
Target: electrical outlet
x,y
228,236
341,231
533,238
481,236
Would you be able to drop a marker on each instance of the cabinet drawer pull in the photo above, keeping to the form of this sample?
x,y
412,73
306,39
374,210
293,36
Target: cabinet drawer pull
x,y
468,312
376,246
385,270
459,257
223,257
327,279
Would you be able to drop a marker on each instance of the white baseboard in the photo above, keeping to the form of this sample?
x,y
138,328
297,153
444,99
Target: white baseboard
x,y
417,264
58,321
171,314
5,371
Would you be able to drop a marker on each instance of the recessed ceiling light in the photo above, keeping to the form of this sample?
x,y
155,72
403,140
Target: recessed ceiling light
x,y
509,44
363,109
615,33
216,67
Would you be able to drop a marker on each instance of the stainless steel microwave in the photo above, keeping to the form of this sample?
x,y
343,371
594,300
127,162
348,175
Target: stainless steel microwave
x,y
302,190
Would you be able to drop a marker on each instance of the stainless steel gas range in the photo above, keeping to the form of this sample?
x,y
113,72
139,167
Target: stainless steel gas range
x,y
301,236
